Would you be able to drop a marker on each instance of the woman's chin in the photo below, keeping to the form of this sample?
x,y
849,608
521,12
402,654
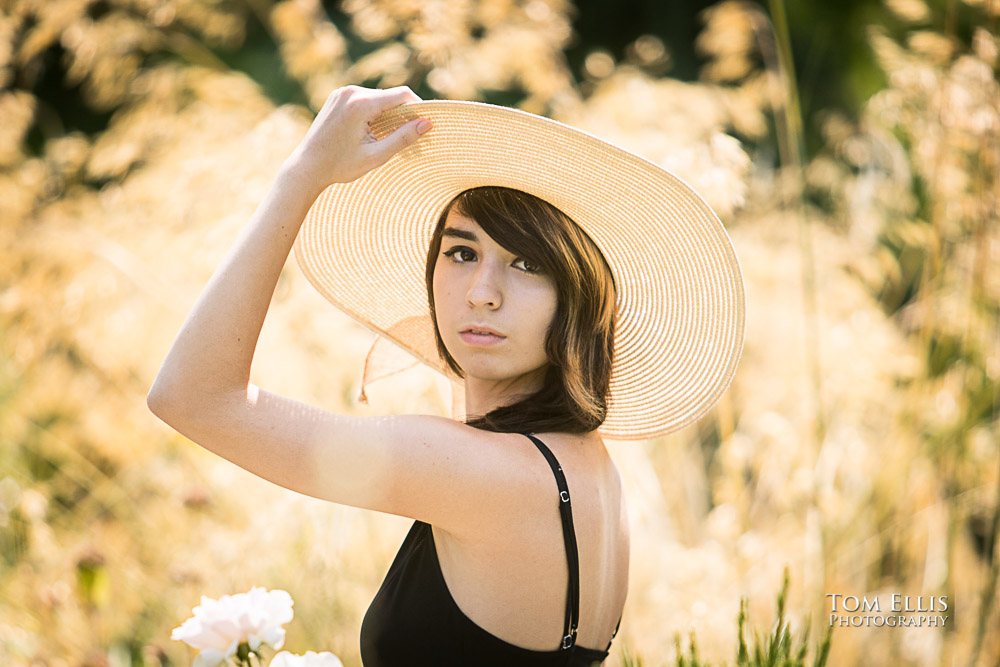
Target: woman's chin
x,y
486,372
480,373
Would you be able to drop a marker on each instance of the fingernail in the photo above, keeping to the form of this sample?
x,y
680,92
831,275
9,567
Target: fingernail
x,y
423,126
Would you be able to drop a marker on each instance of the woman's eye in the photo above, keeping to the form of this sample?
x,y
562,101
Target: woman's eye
x,y
464,254
528,265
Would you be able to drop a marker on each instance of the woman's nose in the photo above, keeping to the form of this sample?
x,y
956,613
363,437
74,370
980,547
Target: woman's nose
x,y
485,289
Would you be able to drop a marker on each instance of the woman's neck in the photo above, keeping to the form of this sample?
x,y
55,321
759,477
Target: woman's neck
x,y
483,396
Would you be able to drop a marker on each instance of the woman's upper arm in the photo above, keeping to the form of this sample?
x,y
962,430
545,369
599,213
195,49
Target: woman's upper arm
x,y
429,468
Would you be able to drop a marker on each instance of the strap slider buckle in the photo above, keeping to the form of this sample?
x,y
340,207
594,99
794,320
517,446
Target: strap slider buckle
x,y
564,495
567,641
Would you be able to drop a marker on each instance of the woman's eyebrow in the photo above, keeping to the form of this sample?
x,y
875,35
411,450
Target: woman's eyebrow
x,y
459,234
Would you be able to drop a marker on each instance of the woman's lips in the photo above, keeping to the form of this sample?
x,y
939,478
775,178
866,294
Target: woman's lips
x,y
480,339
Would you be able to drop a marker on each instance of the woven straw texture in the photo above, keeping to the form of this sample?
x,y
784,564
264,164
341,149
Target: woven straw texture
x,y
680,290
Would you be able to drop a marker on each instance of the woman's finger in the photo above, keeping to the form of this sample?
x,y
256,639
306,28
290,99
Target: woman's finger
x,y
393,97
405,135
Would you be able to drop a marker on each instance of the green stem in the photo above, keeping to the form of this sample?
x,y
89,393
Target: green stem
x,y
788,123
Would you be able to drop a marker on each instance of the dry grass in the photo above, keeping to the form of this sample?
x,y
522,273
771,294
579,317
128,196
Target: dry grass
x,y
112,526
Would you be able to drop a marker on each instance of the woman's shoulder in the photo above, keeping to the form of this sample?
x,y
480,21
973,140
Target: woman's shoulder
x,y
585,451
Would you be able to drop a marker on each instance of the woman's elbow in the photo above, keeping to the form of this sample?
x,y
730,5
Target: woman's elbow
x,y
178,403
158,399
166,399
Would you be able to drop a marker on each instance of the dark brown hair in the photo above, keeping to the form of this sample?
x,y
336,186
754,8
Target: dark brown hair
x,y
579,344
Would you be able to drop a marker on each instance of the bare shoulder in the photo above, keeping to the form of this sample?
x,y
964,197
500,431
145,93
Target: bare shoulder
x,y
591,475
586,454
459,478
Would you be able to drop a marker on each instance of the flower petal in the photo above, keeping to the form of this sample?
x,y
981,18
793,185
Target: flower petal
x,y
209,658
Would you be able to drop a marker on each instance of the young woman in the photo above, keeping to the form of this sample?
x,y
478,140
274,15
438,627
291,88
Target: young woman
x,y
576,291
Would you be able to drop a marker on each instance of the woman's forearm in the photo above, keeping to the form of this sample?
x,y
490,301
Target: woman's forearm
x,y
212,354
209,361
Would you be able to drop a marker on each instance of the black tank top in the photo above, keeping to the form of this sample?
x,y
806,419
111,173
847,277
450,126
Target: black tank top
x,y
413,619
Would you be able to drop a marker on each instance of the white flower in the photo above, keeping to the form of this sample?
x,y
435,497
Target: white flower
x,y
218,627
310,659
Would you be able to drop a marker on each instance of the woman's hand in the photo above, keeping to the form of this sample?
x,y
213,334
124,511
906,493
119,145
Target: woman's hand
x,y
339,146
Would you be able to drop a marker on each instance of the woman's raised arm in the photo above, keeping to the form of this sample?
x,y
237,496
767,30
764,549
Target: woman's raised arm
x,y
437,470
211,356
410,465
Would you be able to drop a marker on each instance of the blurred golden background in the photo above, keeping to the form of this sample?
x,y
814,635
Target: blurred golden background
x,y
852,149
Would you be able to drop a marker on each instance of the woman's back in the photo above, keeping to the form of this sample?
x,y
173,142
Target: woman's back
x,y
507,597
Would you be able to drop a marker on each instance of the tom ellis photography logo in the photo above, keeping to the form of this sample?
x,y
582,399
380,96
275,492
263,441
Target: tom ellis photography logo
x,y
893,611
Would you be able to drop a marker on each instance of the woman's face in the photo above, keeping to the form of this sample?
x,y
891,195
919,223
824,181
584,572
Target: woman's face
x,y
479,285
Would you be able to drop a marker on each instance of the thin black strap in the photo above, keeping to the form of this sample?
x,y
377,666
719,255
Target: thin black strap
x,y
569,536
615,633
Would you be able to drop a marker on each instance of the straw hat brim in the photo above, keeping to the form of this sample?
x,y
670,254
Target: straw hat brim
x,y
680,301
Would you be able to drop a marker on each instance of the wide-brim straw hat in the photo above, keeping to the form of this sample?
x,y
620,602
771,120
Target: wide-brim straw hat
x,y
679,334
